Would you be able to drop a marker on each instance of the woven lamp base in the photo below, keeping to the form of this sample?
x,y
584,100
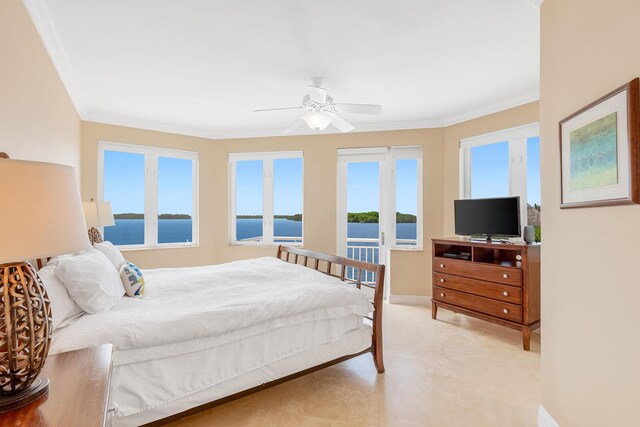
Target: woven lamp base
x,y
35,391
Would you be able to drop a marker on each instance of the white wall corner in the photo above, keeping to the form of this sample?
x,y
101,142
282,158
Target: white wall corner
x,y
545,419
409,299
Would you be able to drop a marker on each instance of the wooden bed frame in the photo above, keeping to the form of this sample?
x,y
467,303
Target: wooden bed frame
x,y
333,266
332,262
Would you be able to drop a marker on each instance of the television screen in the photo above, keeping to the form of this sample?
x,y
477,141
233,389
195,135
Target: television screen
x,y
488,217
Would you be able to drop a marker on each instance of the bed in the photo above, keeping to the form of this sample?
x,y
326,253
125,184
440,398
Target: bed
x,y
190,343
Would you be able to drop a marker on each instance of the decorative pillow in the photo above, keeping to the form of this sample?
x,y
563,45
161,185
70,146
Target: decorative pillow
x,y
111,252
91,281
132,280
63,308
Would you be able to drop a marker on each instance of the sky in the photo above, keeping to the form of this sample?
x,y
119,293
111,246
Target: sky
x,y
490,170
124,183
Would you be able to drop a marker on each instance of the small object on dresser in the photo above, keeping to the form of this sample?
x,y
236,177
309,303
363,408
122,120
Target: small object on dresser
x,y
458,255
529,234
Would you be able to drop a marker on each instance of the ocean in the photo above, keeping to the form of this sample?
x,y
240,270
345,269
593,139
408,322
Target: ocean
x,y
131,231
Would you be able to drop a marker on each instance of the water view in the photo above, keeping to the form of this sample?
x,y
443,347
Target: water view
x,y
131,231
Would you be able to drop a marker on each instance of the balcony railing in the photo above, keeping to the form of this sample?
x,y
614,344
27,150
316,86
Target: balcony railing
x,y
359,248
368,250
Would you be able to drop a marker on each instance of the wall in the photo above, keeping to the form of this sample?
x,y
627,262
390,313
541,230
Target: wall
x,y
410,271
518,116
320,183
320,176
37,119
167,257
590,280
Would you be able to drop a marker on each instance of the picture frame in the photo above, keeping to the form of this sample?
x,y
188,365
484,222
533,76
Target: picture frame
x,y
600,152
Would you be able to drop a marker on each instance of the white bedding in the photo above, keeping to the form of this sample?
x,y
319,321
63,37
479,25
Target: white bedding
x,y
155,389
190,309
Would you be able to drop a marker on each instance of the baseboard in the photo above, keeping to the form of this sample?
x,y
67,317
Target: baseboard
x,y
409,299
544,419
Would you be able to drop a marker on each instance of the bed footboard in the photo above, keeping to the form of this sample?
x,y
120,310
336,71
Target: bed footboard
x,y
336,266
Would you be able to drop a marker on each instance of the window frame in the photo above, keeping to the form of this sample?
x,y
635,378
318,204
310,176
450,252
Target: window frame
x,y
268,227
151,155
405,153
387,156
516,139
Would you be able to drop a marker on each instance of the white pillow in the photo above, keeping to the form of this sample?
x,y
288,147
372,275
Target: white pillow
x,y
63,308
91,280
110,252
53,262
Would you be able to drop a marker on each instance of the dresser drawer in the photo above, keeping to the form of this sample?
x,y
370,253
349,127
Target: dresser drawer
x,y
480,304
476,270
505,293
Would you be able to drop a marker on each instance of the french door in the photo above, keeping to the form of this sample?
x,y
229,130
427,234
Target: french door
x,y
362,206
379,204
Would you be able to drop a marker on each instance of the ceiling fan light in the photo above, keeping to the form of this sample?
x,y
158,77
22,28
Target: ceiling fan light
x,y
317,121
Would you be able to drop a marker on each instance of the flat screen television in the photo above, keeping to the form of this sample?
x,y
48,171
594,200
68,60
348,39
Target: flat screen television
x,y
497,217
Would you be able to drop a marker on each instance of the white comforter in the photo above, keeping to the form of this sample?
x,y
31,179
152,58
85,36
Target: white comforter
x,y
202,307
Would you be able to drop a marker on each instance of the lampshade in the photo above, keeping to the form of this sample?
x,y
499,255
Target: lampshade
x,y
316,120
41,213
98,214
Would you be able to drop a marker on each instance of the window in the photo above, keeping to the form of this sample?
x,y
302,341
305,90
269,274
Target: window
x,y
505,163
379,201
153,194
406,197
265,198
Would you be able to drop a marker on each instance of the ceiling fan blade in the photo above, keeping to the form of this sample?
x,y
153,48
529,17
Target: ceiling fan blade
x,y
318,94
277,109
359,108
341,124
295,125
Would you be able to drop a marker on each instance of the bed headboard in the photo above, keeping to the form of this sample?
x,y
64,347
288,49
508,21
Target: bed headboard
x,y
337,266
39,263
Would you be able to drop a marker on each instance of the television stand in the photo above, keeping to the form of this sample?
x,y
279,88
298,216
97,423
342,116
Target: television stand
x,y
490,239
498,283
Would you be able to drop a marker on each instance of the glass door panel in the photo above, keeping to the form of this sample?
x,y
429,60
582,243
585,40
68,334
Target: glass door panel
x,y
362,213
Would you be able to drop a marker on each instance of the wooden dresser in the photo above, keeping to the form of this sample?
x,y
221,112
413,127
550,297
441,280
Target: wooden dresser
x,y
499,283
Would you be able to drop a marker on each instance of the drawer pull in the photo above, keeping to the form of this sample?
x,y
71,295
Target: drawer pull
x,y
441,280
505,293
113,409
505,311
505,275
442,294
441,265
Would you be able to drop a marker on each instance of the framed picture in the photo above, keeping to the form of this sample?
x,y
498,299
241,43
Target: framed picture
x,y
599,151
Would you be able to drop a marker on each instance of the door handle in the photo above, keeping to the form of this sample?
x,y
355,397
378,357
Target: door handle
x,y
382,239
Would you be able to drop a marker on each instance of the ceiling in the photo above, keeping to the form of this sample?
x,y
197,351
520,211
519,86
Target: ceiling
x,y
199,67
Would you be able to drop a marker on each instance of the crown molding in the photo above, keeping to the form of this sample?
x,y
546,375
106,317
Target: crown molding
x,y
254,133
39,13
362,127
492,108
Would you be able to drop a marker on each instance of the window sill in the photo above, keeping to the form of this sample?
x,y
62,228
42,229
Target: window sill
x,y
266,245
408,249
152,248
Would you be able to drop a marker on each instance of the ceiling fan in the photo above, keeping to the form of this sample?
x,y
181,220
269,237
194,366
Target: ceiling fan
x,y
320,110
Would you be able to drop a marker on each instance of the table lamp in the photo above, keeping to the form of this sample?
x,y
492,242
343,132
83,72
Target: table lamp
x,y
40,216
97,214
